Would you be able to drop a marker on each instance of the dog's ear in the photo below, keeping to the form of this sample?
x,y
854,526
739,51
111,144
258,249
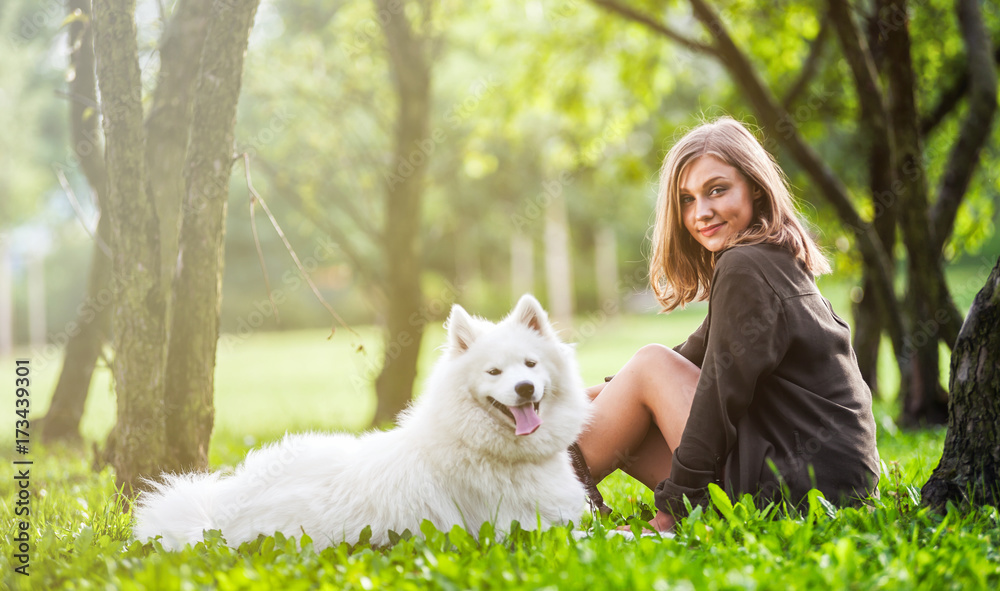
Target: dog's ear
x,y
461,332
531,314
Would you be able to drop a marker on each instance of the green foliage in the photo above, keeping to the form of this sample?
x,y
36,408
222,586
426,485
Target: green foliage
x,y
81,541
273,382
34,125
523,95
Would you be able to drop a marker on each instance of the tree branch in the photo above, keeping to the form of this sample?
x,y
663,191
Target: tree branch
x,y
650,22
950,99
85,137
975,130
409,61
255,198
319,219
338,199
809,68
859,58
874,33
364,266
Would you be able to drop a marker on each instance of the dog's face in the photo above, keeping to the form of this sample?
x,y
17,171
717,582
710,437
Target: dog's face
x,y
518,376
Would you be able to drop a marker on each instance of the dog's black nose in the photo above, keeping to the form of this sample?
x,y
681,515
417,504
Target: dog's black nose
x,y
525,389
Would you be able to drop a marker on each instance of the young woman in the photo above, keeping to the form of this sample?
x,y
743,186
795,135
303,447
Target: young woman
x,y
766,396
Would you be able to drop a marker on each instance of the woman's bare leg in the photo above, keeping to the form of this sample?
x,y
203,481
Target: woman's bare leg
x,y
639,416
651,461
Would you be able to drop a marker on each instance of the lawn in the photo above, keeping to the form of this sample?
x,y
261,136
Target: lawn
x,y
268,383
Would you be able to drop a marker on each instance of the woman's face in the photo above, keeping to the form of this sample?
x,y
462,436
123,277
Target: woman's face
x,y
716,201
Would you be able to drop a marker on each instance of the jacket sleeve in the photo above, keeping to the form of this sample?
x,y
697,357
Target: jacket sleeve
x,y
746,338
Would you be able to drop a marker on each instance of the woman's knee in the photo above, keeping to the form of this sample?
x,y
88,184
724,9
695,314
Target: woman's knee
x,y
655,358
662,367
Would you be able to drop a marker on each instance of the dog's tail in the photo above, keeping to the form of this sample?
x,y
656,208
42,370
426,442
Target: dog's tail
x,y
179,509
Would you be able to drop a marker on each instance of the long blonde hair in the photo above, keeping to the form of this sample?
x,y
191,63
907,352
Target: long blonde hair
x,y
680,269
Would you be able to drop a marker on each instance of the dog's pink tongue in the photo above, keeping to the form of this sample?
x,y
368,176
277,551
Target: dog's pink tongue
x,y
526,420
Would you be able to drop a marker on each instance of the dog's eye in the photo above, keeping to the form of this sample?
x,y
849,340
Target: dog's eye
x,y
494,372
530,363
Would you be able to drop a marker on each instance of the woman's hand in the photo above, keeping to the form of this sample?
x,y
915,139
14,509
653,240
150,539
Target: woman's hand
x,y
662,523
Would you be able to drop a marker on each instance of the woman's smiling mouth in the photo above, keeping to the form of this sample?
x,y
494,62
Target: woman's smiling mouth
x,y
710,230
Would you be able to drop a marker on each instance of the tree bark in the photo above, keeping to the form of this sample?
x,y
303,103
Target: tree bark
x,y
868,316
197,293
969,470
404,194
923,398
138,327
168,125
62,421
869,321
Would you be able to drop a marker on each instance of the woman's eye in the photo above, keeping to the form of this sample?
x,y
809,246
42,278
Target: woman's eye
x,y
717,190
686,199
494,372
530,363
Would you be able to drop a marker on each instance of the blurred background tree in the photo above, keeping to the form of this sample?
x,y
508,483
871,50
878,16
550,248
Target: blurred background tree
x,y
546,123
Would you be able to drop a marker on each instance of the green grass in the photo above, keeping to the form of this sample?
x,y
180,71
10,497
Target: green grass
x,y
270,383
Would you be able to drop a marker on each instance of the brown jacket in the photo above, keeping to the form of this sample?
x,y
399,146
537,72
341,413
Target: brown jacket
x,y
780,391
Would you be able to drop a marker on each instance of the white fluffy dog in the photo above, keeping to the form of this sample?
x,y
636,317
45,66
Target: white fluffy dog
x,y
486,441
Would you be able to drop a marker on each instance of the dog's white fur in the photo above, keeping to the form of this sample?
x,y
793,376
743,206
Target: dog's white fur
x,y
454,459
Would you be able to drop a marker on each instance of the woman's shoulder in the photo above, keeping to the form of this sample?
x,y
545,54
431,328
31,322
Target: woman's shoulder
x,y
774,264
754,256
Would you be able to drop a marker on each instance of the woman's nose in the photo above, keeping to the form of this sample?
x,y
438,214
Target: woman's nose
x,y
703,210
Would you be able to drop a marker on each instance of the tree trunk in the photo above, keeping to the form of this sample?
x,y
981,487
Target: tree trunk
x,y
606,267
138,327
969,470
168,125
923,398
869,320
404,193
62,422
159,428
522,265
558,265
197,293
